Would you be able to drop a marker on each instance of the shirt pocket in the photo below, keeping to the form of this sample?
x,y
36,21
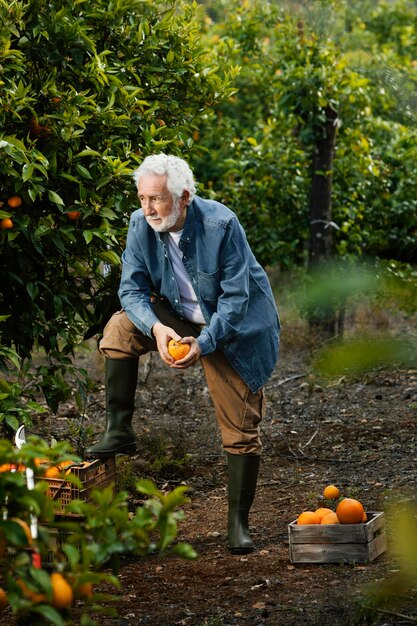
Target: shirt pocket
x,y
209,285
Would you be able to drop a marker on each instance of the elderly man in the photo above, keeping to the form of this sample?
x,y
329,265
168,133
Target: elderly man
x,y
189,274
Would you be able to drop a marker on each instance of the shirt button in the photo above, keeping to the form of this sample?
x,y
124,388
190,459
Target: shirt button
x,y
176,301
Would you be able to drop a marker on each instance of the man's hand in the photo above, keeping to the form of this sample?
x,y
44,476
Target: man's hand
x,y
163,334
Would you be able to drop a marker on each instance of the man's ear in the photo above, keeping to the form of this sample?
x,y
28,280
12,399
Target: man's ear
x,y
185,198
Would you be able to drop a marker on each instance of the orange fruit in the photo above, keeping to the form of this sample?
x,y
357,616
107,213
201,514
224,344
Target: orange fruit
x,y
25,527
33,596
73,215
84,590
6,223
62,594
308,517
52,472
350,511
14,202
3,600
331,492
178,350
37,130
322,511
364,517
330,518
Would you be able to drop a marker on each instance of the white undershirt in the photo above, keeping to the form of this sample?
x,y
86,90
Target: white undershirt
x,y
189,301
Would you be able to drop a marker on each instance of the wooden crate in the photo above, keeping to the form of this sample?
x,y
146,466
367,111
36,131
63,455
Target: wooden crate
x,y
338,543
95,474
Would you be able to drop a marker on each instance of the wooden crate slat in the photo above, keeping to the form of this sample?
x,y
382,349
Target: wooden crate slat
x,y
337,533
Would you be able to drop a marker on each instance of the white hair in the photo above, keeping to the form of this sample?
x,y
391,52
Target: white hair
x,y
178,173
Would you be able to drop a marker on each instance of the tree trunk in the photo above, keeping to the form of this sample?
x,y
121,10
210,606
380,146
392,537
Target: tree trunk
x,y
323,319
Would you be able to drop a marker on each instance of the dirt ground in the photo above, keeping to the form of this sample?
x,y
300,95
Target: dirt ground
x,y
359,434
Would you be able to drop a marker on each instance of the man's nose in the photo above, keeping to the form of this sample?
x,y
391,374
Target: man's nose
x,y
147,205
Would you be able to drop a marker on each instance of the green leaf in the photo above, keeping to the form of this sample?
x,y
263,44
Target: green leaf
x,y
88,236
83,171
54,197
50,614
110,256
148,488
27,171
33,290
185,551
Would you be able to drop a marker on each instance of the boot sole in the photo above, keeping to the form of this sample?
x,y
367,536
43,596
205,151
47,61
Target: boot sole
x,y
107,454
239,550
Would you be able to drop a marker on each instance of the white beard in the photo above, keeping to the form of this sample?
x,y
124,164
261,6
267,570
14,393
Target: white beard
x,y
167,222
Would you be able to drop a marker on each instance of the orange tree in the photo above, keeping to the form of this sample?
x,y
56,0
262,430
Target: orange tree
x,y
87,90
323,120
318,153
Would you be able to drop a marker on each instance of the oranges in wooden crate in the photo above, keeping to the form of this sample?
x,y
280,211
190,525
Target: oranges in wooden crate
x,y
348,510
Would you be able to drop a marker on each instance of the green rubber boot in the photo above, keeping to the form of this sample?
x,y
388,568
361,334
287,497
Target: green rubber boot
x,y
243,475
121,378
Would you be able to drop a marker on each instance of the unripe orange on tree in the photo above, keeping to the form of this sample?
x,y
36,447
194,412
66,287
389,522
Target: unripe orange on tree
x,y
178,350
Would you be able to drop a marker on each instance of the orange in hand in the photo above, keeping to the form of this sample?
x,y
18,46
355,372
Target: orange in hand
x,y
178,350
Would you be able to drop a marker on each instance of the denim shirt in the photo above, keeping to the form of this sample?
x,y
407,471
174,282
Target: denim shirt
x,y
232,289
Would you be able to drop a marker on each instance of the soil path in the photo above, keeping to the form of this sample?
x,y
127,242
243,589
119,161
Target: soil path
x,y
359,434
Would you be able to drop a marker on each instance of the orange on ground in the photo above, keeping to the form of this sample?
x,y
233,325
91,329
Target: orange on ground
x,y
308,517
331,492
73,215
62,594
25,527
178,350
3,599
6,223
322,511
330,518
14,202
350,511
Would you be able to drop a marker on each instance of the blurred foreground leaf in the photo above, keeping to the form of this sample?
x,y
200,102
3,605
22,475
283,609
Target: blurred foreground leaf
x,y
366,353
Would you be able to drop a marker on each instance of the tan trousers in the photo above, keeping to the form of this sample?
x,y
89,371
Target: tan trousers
x,y
238,410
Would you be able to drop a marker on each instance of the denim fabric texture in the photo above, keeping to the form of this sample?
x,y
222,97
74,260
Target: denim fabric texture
x,y
232,288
